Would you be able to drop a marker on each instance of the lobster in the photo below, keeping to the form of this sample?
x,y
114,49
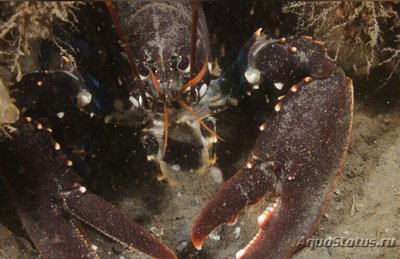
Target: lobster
x,y
169,93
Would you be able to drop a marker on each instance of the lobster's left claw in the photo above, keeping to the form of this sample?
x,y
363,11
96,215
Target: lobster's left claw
x,y
298,156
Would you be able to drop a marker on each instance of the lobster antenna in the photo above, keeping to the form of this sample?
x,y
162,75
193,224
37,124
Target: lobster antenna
x,y
165,128
193,39
187,107
155,83
196,78
127,49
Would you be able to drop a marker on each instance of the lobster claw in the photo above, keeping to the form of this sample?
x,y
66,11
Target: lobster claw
x,y
298,156
50,200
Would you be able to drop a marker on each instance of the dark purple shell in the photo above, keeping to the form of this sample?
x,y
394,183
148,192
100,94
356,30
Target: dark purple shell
x,y
158,30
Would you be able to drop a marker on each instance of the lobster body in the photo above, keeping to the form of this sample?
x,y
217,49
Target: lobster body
x,y
159,31
170,95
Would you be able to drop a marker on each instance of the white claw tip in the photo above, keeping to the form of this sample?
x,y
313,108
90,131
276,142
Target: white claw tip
x,y
240,254
198,247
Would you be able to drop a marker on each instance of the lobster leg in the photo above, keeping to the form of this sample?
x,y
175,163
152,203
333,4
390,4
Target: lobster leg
x,y
49,197
299,153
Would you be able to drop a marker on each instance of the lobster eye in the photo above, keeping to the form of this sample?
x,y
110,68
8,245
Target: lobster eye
x,y
183,64
144,71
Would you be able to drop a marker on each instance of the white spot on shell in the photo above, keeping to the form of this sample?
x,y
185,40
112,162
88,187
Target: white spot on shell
x,y
278,107
82,189
263,126
252,76
84,98
256,87
60,115
57,146
278,85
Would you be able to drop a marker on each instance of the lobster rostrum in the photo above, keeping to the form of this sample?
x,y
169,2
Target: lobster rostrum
x,y
295,163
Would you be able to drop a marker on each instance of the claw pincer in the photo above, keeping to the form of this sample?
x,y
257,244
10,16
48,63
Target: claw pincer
x,y
298,155
47,192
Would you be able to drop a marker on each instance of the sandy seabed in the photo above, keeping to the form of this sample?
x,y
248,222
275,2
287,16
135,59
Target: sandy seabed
x,y
366,203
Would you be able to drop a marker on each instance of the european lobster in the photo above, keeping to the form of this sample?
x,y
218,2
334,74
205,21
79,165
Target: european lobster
x,y
169,93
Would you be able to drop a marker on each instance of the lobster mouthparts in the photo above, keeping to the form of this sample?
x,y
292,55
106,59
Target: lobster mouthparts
x,y
298,155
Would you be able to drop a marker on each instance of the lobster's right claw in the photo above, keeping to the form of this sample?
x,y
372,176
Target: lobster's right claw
x,y
50,200
298,156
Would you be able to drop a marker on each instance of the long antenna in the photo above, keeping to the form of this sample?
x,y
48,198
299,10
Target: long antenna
x,y
128,51
165,128
193,40
187,107
196,78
